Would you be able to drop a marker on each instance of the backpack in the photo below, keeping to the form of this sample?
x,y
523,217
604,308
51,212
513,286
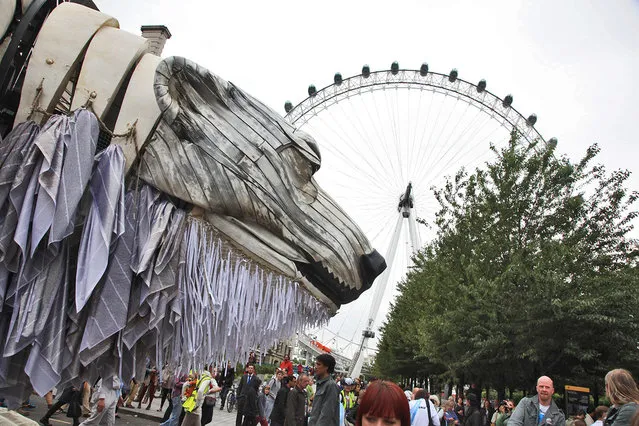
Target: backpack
x,y
413,411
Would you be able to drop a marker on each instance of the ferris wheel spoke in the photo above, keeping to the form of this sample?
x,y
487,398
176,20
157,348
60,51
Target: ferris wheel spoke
x,y
428,148
413,148
384,142
445,145
467,146
364,167
421,147
376,158
439,141
434,165
381,137
395,133
461,157
346,157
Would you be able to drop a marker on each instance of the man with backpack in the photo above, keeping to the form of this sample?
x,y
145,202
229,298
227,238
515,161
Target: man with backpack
x,y
422,410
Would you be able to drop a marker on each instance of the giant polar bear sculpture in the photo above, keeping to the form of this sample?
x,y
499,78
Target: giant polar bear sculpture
x,y
197,234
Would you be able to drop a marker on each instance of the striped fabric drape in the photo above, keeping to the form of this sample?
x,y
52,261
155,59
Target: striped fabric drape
x,y
95,279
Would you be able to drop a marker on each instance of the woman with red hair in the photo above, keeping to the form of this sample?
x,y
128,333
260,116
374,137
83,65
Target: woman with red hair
x,y
383,404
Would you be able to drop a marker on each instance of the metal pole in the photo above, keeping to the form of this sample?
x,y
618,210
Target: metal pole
x,y
414,235
380,288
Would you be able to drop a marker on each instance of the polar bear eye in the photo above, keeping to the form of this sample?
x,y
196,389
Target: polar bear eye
x,y
303,168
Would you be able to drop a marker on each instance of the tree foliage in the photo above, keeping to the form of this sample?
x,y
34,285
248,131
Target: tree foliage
x,y
532,272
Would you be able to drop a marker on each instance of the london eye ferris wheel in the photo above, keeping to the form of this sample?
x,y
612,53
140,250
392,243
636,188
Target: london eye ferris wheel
x,y
387,138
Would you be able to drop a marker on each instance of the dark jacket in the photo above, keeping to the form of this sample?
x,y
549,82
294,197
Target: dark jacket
x,y
459,410
473,417
278,415
622,415
325,409
247,396
527,414
227,380
296,408
351,415
486,415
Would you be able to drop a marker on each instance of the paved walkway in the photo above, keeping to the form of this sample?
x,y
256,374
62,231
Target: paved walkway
x,y
220,417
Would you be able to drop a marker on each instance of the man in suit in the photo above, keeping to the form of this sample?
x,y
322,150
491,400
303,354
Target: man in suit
x,y
247,410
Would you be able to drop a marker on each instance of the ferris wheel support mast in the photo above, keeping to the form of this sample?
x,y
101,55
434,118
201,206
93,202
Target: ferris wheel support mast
x,y
405,212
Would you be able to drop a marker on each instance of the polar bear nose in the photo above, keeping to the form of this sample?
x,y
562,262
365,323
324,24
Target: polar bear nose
x,y
371,265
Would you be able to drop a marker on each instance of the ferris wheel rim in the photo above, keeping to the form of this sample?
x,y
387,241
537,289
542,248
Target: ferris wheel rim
x,y
511,118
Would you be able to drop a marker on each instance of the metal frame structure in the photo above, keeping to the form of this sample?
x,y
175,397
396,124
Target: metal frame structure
x,y
23,31
497,108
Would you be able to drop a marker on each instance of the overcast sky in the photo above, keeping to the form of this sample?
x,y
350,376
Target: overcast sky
x,y
573,63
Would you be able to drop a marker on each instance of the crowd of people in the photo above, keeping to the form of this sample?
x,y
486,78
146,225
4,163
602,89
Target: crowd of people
x,y
384,403
289,400
324,398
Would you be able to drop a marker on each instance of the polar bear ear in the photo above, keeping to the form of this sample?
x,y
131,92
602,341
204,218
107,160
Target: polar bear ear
x,y
182,86
56,56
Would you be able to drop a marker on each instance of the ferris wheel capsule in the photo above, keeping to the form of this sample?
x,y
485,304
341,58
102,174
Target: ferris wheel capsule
x,y
312,91
423,70
453,75
366,71
288,106
481,86
395,68
532,119
552,143
337,78
508,101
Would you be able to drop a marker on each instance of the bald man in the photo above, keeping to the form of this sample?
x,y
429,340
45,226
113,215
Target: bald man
x,y
540,409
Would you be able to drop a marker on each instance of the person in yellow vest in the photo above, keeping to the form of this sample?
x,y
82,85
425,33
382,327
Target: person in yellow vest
x,y
347,396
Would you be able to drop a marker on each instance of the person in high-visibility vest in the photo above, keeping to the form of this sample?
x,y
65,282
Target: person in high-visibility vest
x,y
347,395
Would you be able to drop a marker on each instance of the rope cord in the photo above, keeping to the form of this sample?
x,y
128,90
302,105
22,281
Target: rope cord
x,y
35,108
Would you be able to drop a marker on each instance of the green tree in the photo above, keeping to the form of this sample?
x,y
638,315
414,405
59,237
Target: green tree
x,y
532,272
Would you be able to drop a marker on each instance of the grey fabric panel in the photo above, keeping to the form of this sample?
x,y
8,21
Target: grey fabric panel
x,y
15,387
5,279
166,269
76,172
22,191
12,152
88,357
146,241
109,313
46,359
51,144
160,216
104,223
35,300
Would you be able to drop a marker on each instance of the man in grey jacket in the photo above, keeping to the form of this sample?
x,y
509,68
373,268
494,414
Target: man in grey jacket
x,y
325,411
540,409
